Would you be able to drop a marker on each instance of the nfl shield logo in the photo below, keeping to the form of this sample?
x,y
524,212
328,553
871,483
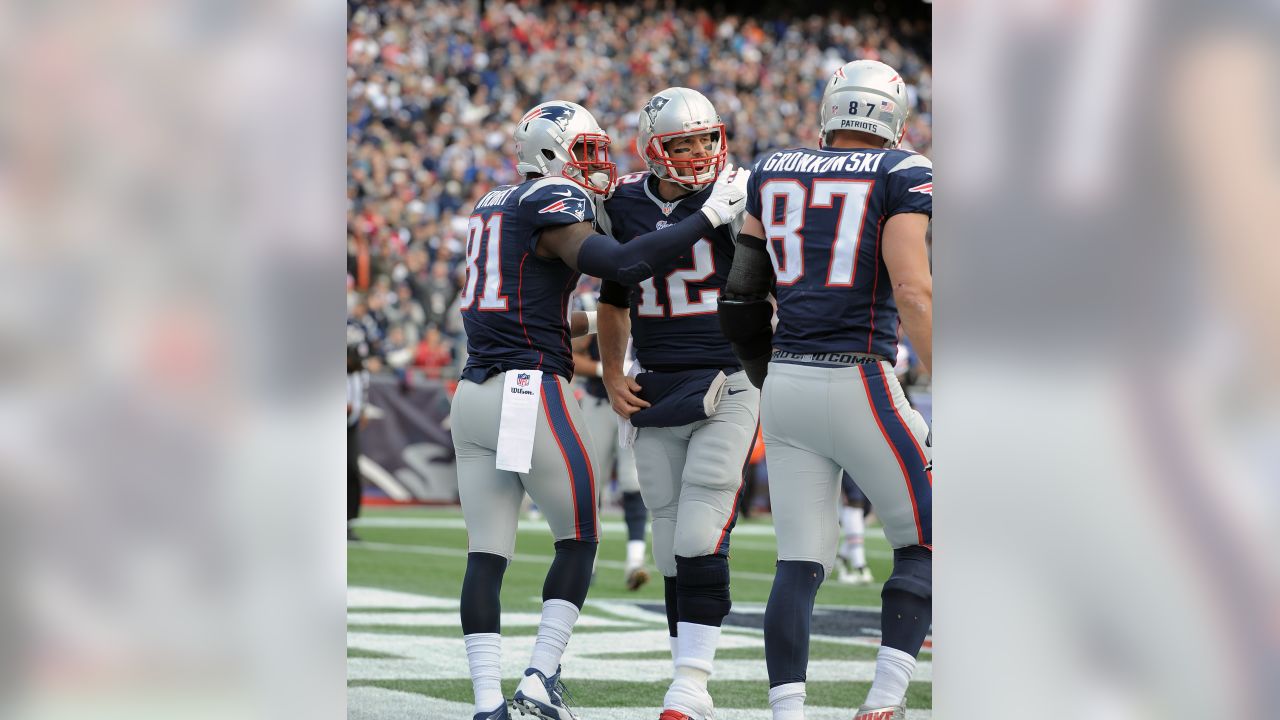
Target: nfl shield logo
x,y
522,379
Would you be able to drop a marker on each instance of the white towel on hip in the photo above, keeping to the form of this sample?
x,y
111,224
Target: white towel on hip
x,y
521,392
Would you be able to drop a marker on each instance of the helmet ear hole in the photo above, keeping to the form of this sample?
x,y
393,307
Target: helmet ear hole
x,y
548,154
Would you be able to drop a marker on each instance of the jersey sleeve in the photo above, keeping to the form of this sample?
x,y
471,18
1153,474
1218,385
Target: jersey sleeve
x,y
554,202
910,184
753,190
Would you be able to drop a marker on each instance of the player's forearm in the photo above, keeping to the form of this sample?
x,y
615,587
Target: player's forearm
x,y
581,323
915,307
614,330
629,263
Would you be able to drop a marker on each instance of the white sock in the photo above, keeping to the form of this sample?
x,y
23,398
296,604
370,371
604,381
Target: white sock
x,y
696,648
855,528
635,553
558,617
787,701
675,654
484,655
893,672
697,651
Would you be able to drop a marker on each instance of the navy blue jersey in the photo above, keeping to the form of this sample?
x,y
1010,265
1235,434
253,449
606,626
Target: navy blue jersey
x,y
515,305
823,212
673,314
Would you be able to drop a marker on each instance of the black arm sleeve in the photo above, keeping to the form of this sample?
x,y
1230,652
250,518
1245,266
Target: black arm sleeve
x,y
615,294
604,257
746,315
751,275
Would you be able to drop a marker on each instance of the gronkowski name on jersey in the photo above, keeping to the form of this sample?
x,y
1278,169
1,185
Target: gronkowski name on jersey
x,y
823,212
515,303
673,314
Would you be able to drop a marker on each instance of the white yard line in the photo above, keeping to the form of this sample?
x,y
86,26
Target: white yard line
x,y
588,657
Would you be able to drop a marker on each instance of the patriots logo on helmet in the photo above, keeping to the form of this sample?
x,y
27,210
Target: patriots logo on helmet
x,y
575,206
558,114
655,104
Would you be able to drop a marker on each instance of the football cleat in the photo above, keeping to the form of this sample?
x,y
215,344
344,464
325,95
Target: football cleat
x,y
498,714
898,712
539,696
637,577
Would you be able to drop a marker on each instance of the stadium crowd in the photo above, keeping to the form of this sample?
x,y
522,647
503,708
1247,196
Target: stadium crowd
x,y
434,90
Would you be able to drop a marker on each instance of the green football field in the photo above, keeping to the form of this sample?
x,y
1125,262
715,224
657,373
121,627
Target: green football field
x,y
405,656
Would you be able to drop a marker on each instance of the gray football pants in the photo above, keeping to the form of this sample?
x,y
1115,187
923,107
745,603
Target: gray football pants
x,y
602,425
817,420
561,477
690,476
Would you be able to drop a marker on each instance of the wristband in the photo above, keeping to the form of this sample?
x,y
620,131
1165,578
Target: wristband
x,y
591,323
599,369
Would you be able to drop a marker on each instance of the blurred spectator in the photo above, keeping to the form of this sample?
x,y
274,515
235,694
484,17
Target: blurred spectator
x,y
434,354
368,326
397,352
375,304
440,292
407,312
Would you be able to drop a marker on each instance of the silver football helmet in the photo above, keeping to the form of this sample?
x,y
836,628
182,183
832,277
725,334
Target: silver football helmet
x,y
866,96
562,138
675,113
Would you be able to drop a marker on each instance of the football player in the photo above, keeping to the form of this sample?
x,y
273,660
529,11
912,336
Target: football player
x,y
513,430
694,407
839,232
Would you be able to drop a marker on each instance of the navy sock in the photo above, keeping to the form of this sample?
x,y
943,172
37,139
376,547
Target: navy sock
x,y
786,620
481,593
570,573
907,600
904,620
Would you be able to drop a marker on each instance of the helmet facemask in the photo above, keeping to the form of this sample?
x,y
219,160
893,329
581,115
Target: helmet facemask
x,y
589,165
682,166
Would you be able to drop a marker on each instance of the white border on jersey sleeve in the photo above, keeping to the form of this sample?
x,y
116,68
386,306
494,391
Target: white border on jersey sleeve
x,y
912,161
547,181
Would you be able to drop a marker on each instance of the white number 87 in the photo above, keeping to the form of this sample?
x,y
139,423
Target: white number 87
x,y
788,260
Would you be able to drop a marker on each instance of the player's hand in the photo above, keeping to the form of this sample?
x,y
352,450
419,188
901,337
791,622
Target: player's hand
x,y
728,196
624,394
